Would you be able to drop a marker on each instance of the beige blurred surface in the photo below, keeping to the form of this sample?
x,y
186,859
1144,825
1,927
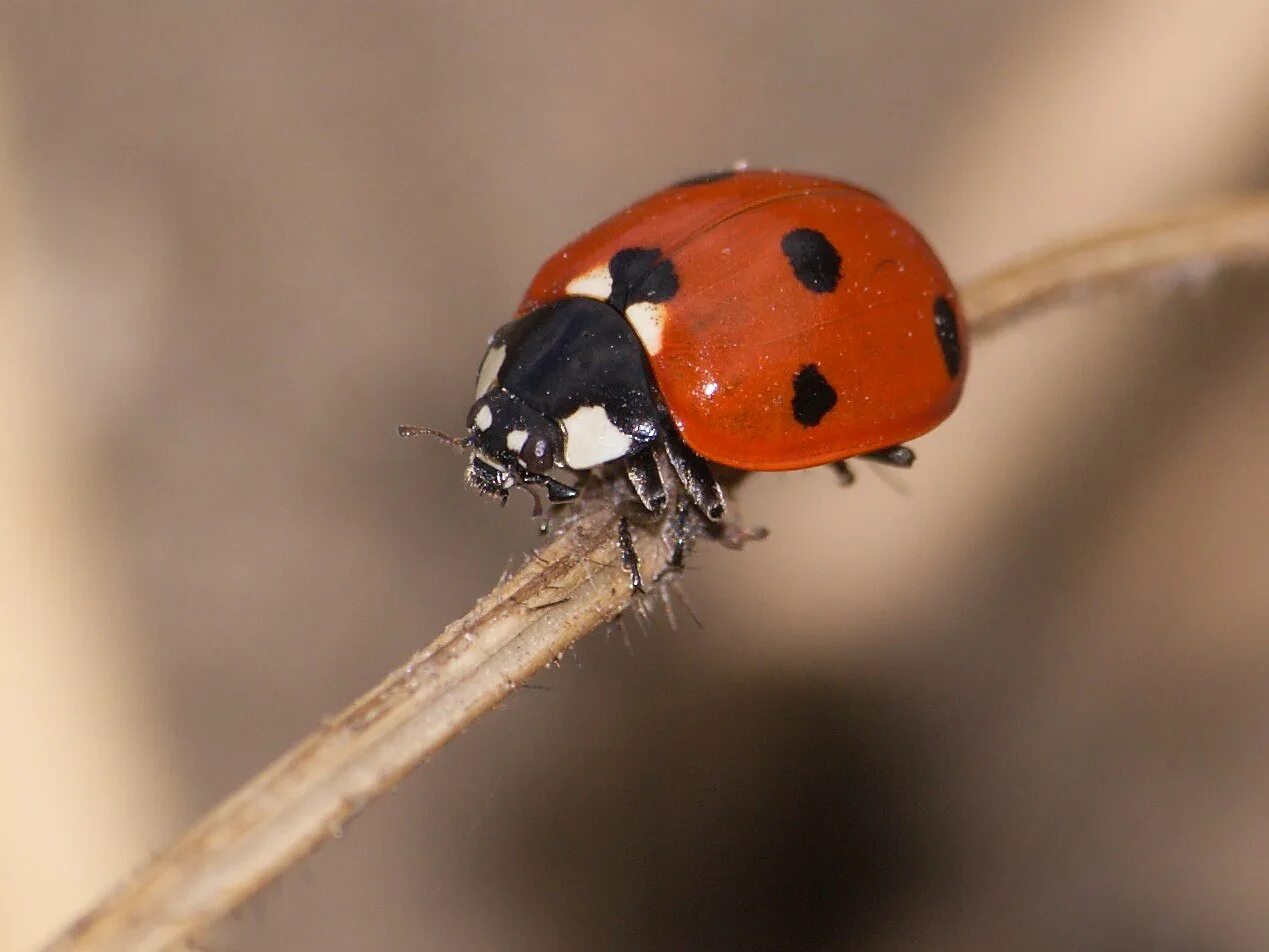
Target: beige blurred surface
x,y
1021,703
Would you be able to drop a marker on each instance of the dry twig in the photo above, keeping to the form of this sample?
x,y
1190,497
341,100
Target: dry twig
x,y
570,587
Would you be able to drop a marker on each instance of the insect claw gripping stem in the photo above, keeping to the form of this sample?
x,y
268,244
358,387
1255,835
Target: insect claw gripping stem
x,y
629,557
678,533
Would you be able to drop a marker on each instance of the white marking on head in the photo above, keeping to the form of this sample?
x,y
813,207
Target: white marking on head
x,y
648,321
590,438
484,418
489,368
515,440
595,283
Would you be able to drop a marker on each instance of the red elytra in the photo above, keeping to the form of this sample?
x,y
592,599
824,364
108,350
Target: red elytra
x,y
769,357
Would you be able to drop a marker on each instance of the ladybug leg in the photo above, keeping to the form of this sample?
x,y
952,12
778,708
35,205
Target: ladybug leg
x,y
629,557
900,456
645,476
844,475
678,533
696,476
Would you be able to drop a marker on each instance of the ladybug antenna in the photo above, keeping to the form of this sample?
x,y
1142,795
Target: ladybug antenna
x,y
407,431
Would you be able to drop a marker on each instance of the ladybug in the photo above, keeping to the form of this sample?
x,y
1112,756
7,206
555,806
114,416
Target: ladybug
x,y
759,320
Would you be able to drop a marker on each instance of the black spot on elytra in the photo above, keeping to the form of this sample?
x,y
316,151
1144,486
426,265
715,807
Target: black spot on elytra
x,y
813,396
641,274
948,335
704,179
815,261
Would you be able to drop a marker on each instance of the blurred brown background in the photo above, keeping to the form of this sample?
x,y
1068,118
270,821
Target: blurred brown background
x,y
1023,703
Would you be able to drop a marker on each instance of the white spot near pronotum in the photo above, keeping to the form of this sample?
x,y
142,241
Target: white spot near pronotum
x,y
591,438
484,418
489,368
648,321
595,283
515,440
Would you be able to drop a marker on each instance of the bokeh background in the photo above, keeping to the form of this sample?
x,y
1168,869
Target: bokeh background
x,y
1016,698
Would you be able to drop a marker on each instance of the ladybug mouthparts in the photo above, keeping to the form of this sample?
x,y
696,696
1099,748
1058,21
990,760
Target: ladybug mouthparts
x,y
513,446
492,479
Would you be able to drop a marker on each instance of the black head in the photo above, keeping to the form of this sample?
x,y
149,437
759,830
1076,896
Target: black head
x,y
564,387
513,445
507,430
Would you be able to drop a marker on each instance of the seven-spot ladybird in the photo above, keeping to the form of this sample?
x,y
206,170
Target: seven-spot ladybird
x,y
761,320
